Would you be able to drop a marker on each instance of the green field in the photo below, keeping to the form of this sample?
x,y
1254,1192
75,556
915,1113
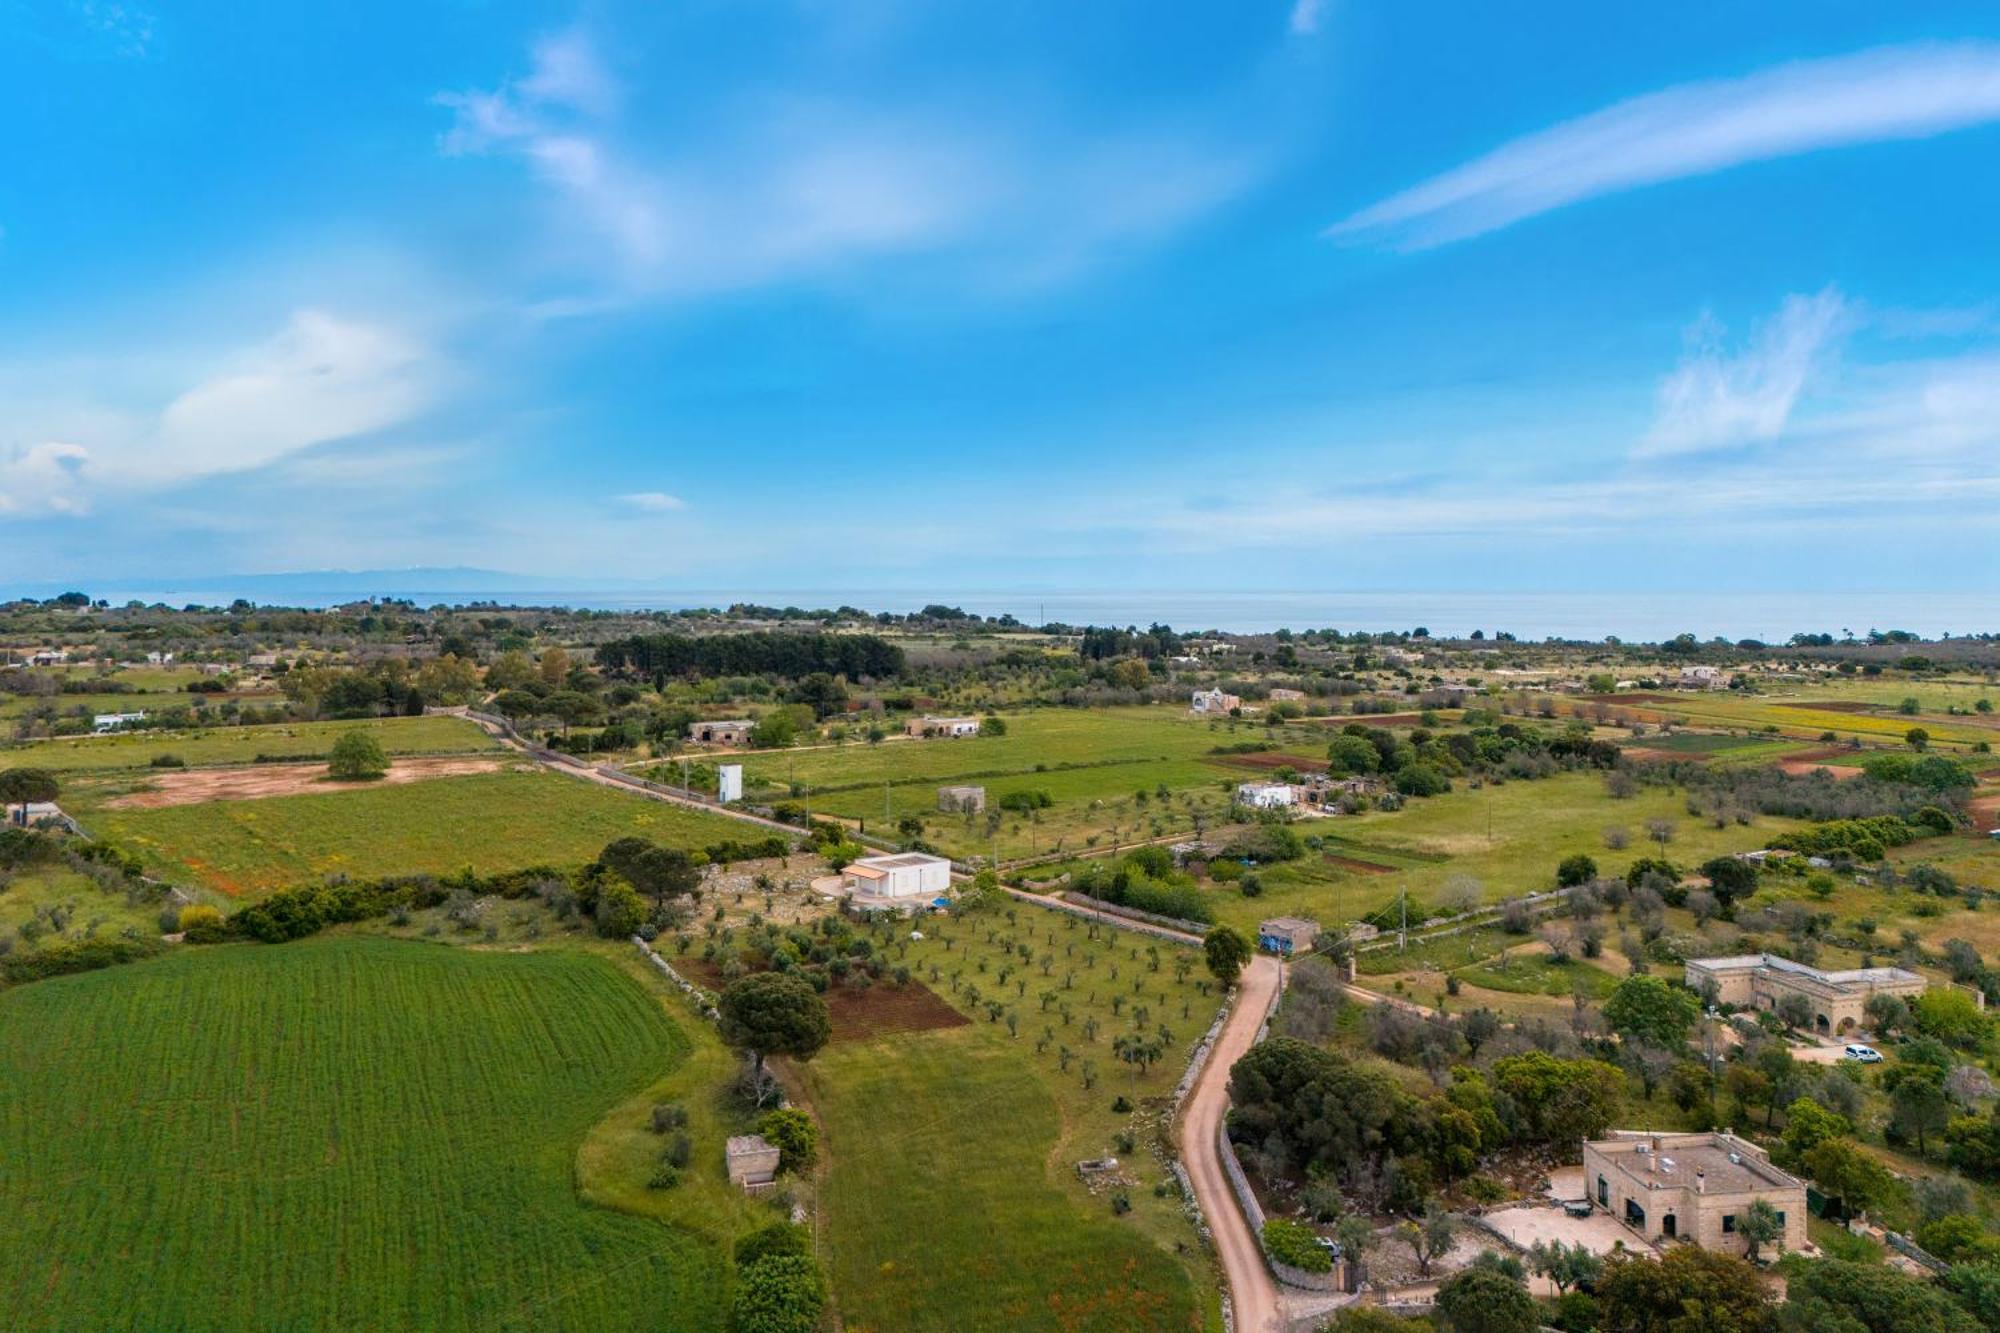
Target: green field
x,y
339,1133
941,1211
1090,762
242,745
489,822
951,1196
1508,837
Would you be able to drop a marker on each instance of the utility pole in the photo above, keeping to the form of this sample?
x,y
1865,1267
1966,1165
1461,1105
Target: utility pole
x,y
1403,934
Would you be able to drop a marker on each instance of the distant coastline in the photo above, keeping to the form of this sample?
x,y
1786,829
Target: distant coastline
x,y
1771,617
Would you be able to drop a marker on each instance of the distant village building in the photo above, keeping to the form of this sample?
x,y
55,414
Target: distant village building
x,y
48,657
753,1162
1215,701
1287,935
1281,695
32,813
117,721
261,661
1703,678
961,800
1692,1187
954,727
1265,795
733,731
159,659
1839,999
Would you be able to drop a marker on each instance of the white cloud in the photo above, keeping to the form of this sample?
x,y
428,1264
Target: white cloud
x,y
1894,93
1714,399
43,479
793,186
1306,16
322,378
653,502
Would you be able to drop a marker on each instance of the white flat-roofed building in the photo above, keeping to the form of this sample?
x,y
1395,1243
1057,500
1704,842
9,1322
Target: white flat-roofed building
x,y
117,721
1265,795
901,875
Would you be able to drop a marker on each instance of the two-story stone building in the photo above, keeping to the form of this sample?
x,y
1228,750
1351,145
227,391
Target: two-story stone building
x,y
1693,1187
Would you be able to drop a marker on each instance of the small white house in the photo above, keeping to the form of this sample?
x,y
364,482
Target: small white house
x,y
903,875
728,783
117,721
159,659
1265,795
1215,701
48,657
1703,678
956,727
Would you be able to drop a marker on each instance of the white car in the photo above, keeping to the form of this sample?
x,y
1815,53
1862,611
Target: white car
x,y
1867,1055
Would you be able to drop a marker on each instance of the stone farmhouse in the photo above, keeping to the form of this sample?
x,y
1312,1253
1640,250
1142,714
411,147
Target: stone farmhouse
x,y
1215,701
1691,1187
1760,980
733,731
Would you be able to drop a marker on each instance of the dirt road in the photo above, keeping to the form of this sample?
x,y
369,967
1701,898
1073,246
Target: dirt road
x,y
1253,1294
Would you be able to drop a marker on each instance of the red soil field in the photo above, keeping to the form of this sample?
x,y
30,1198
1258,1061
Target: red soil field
x,y
882,1010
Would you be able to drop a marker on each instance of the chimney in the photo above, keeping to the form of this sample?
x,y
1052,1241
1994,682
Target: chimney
x,y
1700,1180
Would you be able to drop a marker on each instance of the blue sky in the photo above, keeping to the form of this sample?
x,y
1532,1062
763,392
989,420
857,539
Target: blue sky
x,y
1250,295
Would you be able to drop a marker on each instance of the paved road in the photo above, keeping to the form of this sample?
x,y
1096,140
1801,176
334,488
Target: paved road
x,y
1253,1294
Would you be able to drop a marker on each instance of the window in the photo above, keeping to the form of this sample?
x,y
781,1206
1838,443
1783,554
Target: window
x,y
1603,1194
1781,1219
1728,1223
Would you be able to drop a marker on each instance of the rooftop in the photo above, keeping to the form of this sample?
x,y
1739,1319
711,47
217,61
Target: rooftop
x,y
1725,1163
899,861
1877,976
1289,923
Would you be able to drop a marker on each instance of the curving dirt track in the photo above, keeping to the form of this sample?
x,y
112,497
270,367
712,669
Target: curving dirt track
x,y
1253,1296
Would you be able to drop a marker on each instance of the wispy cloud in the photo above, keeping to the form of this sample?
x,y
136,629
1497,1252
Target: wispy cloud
x,y
321,378
794,186
1307,15
1715,399
1905,92
653,502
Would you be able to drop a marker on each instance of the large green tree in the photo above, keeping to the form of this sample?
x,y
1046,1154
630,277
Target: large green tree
x,y
1653,1010
1226,951
1485,1300
773,1013
357,757
26,786
1686,1290
657,872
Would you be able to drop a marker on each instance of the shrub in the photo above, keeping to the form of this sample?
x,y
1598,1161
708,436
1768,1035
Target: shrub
x,y
669,1115
1023,802
665,1177
795,1136
1295,1245
779,1238
779,1293
167,761
202,924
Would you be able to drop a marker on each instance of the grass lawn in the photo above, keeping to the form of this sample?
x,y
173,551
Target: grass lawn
x,y
243,745
338,1133
489,821
951,1199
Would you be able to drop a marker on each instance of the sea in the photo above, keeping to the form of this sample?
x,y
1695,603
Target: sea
x,y
1771,617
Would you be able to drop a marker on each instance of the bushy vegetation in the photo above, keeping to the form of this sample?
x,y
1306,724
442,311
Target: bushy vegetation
x,y
1146,881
